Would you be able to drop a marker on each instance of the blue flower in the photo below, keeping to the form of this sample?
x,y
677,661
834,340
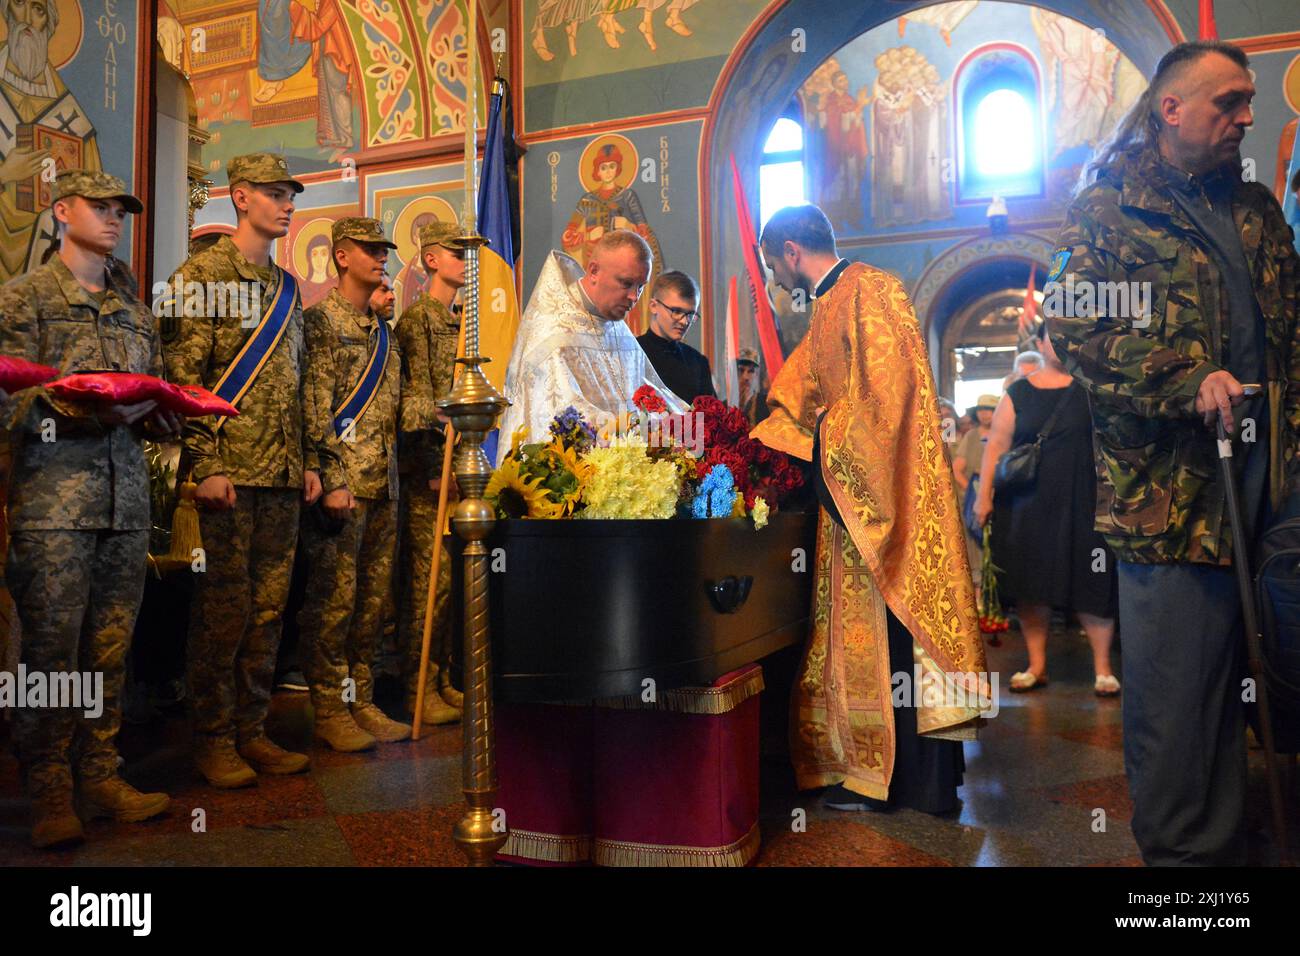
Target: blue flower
x,y
716,494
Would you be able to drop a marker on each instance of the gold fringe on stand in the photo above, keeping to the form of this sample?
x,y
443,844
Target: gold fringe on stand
x,y
708,701
547,847
621,853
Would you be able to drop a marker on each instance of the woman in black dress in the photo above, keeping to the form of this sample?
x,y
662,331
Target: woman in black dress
x,y
1043,536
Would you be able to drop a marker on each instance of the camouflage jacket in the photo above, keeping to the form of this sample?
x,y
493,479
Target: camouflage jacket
x,y
70,473
364,458
429,334
265,446
1159,495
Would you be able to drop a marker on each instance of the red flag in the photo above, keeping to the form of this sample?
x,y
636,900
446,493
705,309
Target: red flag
x,y
1029,311
764,318
731,377
1209,30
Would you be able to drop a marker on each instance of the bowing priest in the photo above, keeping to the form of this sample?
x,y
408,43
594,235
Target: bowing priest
x,y
893,676
573,347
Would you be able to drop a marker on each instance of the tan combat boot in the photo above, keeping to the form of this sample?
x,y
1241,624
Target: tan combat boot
x,y
117,800
373,720
54,821
436,710
266,756
448,693
221,766
341,732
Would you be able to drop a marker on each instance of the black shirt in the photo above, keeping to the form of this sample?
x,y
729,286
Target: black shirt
x,y
685,371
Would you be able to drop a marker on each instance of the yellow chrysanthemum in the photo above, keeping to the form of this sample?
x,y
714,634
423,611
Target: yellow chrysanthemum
x,y
625,483
760,513
516,497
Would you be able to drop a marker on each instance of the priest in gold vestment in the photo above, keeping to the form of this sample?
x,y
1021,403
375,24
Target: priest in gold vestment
x,y
893,675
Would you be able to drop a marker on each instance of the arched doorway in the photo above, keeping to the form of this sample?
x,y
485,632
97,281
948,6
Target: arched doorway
x,y
785,47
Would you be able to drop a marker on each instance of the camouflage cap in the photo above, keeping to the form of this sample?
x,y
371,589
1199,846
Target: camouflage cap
x,y
261,168
93,185
442,234
747,357
361,229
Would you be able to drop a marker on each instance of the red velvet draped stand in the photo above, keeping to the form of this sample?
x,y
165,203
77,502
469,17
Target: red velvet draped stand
x,y
628,783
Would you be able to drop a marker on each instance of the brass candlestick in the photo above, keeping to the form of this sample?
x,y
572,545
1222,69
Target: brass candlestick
x,y
473,406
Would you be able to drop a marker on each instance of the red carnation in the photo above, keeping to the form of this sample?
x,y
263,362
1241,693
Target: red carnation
x,y
648,400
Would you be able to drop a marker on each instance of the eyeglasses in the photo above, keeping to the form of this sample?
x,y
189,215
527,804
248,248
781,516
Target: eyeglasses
x,y
690,315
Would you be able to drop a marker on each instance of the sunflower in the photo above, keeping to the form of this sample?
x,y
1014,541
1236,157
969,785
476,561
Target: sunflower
x,y
514,496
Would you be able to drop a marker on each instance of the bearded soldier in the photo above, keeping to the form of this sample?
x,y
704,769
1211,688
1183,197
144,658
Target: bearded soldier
x,y
79,506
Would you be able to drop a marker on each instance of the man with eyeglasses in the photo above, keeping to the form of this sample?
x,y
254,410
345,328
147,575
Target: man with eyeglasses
x,y
673,299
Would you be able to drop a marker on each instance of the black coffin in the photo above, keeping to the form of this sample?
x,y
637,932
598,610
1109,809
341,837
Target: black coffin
x,y
589,609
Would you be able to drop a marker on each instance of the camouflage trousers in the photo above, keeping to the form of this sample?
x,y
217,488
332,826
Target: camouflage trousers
x,y
419,508
349,577
236,612
77,594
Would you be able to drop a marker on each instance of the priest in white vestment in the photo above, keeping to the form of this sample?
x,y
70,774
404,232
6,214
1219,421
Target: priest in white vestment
x,y
573,347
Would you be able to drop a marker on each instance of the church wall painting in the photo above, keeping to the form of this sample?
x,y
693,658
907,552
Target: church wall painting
x,y
404,200
586,62
644,179
68,93
881,124
326,82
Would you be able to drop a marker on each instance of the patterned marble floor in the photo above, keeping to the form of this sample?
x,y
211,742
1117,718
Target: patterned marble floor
x,y
1044,786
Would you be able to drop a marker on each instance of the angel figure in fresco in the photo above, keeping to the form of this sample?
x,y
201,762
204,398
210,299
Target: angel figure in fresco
x,y
943,16
39,120
839,118
318,281
572,13
291,32
1085,87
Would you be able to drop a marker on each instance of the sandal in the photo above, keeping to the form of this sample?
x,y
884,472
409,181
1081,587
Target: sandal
x,y
1107,686
1024,681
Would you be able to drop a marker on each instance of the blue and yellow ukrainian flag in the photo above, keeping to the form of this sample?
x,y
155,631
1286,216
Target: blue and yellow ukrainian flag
x,y
498,308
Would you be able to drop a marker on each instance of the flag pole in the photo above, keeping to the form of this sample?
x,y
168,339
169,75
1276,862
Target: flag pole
x,y
473,407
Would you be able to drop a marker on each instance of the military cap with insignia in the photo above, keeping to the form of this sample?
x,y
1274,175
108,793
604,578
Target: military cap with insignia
x,y
439,233
94,185
747,357
360,229
261,168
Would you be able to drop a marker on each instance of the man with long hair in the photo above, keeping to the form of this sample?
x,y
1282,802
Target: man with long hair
x,y
1173,289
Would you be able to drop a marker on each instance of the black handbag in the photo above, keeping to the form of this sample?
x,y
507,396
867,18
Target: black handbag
x,y
1018,468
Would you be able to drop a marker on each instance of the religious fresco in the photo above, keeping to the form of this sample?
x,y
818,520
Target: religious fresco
x,y
591,60
305,251
878,114
322,81
639,179
404,201
67,100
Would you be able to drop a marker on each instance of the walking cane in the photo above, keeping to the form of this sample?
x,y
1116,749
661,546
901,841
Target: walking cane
x,y
431,592
1254,642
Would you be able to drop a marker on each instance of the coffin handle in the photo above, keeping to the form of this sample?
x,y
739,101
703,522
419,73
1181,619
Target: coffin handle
x,y
730,593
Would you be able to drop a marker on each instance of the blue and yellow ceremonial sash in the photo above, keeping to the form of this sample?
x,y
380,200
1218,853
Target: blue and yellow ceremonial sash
x,y
367,387
236,380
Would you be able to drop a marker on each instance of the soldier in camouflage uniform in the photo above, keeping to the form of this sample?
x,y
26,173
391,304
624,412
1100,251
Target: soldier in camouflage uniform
x,y
350,567
79,506
429,333
251,471
1169,211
